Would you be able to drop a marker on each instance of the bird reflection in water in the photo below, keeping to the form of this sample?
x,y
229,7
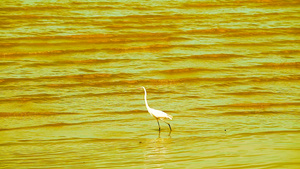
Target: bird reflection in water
x,y
157,151
168,135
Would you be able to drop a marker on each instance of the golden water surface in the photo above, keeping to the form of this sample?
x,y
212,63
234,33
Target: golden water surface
x,y
227,71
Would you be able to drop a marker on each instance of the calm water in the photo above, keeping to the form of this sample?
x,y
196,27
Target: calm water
x,y
71,72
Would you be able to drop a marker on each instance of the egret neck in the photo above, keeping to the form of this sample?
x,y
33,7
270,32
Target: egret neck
x,y
146,99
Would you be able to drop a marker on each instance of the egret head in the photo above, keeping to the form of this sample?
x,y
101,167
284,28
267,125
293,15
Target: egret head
x,y
144,88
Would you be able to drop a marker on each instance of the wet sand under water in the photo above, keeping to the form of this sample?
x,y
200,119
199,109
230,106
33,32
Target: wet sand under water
x,y
71,72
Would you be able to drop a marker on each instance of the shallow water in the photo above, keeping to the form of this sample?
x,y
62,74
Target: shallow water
x,y
71,77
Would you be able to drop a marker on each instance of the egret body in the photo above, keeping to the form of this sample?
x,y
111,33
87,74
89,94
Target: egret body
x,y
157,114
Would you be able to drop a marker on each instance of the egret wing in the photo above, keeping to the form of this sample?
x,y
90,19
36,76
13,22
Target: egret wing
x,y
160,114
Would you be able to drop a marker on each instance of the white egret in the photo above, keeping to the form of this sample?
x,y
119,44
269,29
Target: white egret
x,y
157,114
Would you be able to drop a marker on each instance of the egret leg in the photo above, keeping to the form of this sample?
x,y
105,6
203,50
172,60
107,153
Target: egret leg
x,y
158,124
168,124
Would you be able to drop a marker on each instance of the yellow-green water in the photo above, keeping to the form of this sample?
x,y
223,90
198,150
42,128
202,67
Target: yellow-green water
x,y
71,74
